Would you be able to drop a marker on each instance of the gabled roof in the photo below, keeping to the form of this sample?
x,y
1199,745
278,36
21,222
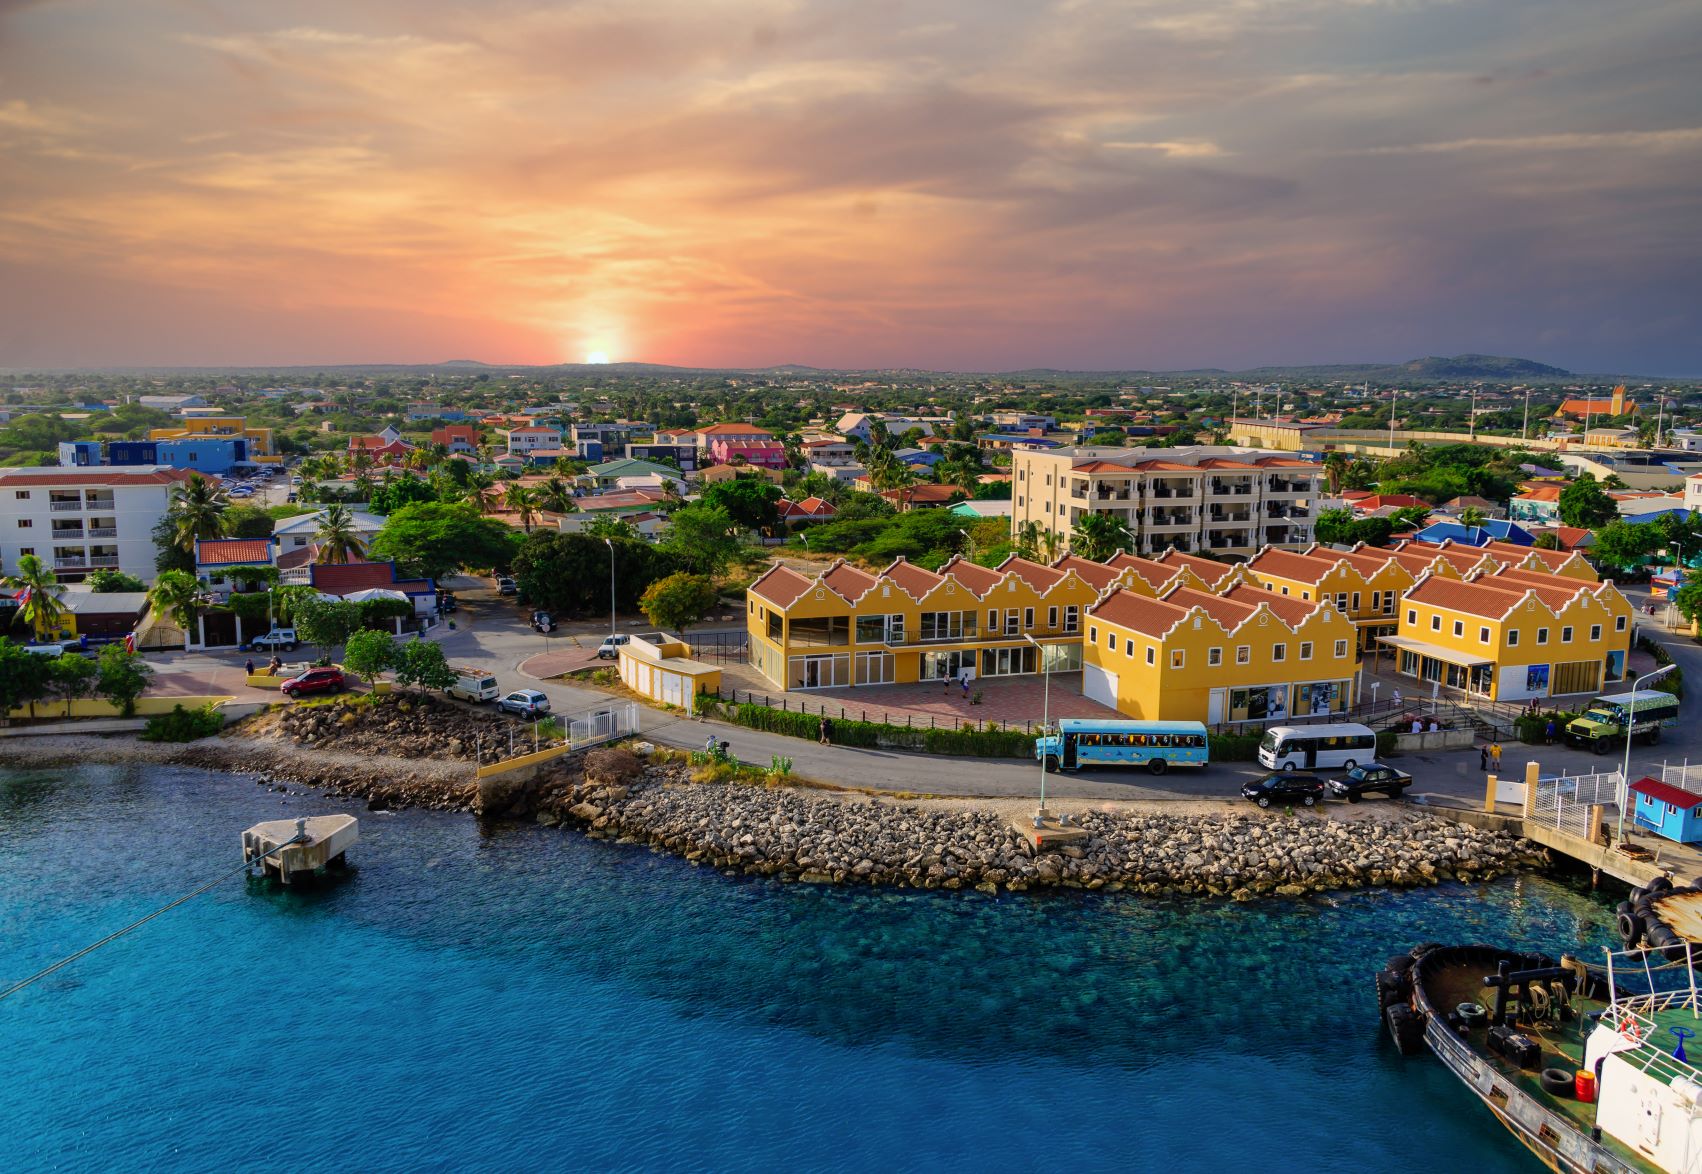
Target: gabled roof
x,y
1037,575
342,578
1208,569
916,581
1229,613
228,552
1099,576
81,478
733,430
1666,793
1473,598
780,585
1287,564
1287,608
846,581
1129,609
975,577
1155,573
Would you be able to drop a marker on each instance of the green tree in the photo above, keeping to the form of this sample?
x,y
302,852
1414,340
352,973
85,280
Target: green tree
x,y
24,677
569,573
1028,541
556,496
1622,545
1334,527
370,653
675,603
397,492
248,521
1472,516
1688,598
611,526
1585,504
168,555
750,503
70,677
177,596
421,663
38,591
433,538
108,582
1547,540
122,676
197,512
339,541
1097,537
326,623
702,537
523,502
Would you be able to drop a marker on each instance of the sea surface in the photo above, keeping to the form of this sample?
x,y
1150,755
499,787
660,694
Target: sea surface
x,y
520,998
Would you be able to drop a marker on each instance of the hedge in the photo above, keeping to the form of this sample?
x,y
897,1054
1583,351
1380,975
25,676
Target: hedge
x,y
1533,727
1673,682
966,741
183,725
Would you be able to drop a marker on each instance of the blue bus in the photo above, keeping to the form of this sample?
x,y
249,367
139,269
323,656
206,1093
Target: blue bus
x,y
1157,746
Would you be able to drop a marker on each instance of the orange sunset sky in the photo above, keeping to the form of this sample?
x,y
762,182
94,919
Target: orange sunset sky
x,y
977,185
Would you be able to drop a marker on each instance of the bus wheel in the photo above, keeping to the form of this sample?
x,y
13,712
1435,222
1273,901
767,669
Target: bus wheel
x,y
1654,735
1601,746
1288,766
1052,763
1157,766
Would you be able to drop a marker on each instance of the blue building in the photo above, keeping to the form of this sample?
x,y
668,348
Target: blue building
x,y
205,455
1667,810
132,452
1493,530
79,453
919,458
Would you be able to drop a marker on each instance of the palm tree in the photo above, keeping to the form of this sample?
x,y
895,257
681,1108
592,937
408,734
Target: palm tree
x,y
523,502
338,541
176,595
197,512
1335,468
1472,516
556,496
1028,540
38,590
1099,536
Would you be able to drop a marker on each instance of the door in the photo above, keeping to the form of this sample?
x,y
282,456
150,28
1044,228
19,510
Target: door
x,y
1069,752
1214,706
1099,684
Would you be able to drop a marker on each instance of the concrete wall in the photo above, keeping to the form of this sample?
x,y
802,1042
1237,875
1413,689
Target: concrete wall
x,y
94,707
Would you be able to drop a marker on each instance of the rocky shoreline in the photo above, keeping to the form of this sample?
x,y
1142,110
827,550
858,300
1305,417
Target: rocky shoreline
x,y
810,836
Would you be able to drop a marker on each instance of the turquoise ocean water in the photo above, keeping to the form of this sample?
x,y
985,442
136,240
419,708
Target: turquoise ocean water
x,y
517,998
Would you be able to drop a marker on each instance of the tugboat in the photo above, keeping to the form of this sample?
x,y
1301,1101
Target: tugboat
x,y
1585,1064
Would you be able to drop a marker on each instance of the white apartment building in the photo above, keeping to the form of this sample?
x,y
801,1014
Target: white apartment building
x,y
532,438
1206,499
78,520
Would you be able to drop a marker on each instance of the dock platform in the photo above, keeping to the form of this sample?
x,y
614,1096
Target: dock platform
x,y
316,842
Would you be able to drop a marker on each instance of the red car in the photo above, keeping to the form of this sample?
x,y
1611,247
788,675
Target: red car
x,y
328,680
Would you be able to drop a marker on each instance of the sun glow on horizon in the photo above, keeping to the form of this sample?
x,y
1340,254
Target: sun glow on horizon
x,y
597,358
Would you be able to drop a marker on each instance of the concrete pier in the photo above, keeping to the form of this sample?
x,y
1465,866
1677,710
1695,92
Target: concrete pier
x,y
323,840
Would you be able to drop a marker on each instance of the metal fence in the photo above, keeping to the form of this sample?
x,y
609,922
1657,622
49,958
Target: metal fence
x,y
722,647
1564,801
863,713
602,724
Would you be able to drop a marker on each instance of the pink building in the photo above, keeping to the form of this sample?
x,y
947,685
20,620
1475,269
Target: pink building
x,y
764,454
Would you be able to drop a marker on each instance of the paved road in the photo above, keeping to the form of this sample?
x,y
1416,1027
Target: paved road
x,y
492,632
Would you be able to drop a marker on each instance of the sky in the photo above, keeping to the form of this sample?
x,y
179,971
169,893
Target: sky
x,y
963,184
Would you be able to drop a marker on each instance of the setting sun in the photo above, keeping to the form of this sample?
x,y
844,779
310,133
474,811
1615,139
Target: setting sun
x,y
597,357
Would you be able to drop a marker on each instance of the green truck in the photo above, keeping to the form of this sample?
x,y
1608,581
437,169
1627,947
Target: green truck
x,y
1602,724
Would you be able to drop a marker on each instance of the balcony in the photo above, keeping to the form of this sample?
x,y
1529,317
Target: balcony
x,y
67,533
1231,489
1186,491
103,532
1114,493
1283,485
70,564
64,506
103,560
1164,519
1219,514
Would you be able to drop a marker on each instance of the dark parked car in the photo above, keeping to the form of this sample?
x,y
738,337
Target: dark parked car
x,y
543,621
326,680
1373,778
1287,787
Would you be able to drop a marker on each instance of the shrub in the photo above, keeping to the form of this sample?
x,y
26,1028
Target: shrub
x,y
1533,727
183,725
969,741
1673,682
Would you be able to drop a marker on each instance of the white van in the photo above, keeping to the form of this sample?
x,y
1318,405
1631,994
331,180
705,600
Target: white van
x,y
474,685
1317,747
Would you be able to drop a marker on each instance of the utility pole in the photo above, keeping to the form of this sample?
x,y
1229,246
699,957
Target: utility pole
x,y
1394,394
1473,431
1525,428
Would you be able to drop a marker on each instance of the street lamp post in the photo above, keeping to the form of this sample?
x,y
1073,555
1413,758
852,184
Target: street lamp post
x,y
610,542
1045,718
969,542
1630,724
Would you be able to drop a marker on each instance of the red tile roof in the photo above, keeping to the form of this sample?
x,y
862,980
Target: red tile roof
x,y
1288,609
1472,598
1036,575
1099,576
780,585
1286,564
847,581
916,581
226,551
99,478
1208,569
342,578
1227,612
1155,573
976,578
1666,792
733,430
1127,609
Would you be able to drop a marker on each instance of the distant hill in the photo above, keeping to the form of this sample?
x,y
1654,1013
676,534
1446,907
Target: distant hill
x,y
1481,367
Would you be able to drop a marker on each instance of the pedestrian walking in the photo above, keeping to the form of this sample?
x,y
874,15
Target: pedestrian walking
x,y
1495,754
824,731
964,681
248,666
1397,698
709,745
1483,758
1548,733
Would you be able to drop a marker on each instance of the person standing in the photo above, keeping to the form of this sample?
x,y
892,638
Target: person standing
x,y
248,666
1495,754
824,733
1483,758
1548,733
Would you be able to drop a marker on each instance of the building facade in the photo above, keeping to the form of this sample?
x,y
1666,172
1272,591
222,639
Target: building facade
x,y
1211,500
81,520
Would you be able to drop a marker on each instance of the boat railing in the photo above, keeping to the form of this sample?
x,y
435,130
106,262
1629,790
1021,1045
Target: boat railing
x,y
1671,985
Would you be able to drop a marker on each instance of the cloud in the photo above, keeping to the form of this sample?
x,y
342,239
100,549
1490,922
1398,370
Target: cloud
x,y
1081,184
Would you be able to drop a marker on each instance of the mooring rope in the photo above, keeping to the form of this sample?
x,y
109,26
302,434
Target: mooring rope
x,y
116,934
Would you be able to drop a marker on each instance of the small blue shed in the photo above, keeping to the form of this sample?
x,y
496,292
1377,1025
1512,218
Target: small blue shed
x,y
1667,810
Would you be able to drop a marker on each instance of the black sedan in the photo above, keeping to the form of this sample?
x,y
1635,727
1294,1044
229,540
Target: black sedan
x,y
1373,778
1286,787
